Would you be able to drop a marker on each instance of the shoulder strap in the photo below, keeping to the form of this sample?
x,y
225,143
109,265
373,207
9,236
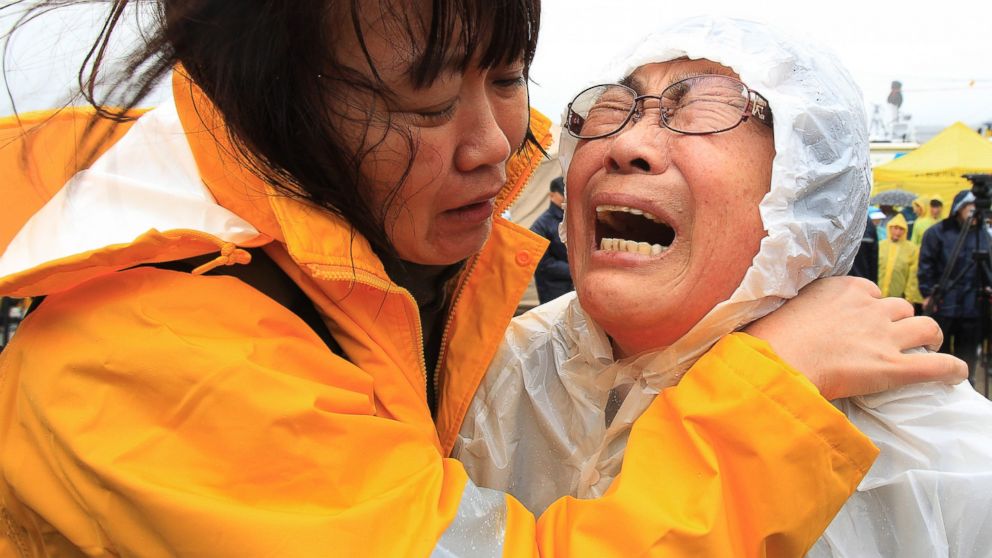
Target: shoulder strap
x,y
263,275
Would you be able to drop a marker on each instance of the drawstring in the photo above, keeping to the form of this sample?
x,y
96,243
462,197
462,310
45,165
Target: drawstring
x,y
230,254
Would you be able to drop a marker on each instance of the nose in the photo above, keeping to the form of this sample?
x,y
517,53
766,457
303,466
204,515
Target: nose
x,y
484,143
641,148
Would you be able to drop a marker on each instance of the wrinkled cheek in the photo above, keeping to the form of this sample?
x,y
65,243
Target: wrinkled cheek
x,y
586,161
572,228
394,167
514,123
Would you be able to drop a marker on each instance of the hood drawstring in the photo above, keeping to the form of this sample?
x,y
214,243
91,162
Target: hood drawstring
x,y
230,254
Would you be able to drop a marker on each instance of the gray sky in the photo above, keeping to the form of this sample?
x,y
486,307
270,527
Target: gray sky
x,y
935,48
941,51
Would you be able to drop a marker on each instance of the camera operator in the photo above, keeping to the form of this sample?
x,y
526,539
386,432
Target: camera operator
x,y
954,305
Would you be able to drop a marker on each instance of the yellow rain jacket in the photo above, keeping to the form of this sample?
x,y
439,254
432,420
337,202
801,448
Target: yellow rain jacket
x,y
897,264
148,412
924,222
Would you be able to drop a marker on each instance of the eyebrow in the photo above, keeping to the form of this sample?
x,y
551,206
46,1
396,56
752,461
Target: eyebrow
x,y
638,85
454,61
634,83
713,71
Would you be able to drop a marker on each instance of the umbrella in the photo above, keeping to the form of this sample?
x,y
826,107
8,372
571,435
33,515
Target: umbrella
x,y
894,197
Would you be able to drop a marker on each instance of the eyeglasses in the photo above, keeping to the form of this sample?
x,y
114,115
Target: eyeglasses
x,y
698,105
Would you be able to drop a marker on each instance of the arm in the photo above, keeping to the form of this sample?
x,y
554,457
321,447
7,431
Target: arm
x,y
912,282
858,341
928,271
742,458
551,267
221,428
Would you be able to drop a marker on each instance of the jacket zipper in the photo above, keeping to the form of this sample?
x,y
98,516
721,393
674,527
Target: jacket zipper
x,y
459,289
387,287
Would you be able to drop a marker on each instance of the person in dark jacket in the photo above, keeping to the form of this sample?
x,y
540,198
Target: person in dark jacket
x,y
955,307
552,277
866,260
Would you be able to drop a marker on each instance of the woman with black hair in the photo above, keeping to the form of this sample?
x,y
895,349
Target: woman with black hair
x,y
266,304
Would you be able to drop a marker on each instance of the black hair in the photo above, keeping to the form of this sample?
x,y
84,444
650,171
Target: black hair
x,y
936,203
270,70
558,185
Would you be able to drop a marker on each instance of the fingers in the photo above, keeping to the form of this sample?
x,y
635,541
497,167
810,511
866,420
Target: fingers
x,y
918,331
868,286
931,367
837,284
897,308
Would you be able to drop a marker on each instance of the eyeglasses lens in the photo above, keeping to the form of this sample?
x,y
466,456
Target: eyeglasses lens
x,y
697,105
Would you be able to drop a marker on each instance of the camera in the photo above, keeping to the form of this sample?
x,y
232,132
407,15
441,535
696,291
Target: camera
x,y
981,188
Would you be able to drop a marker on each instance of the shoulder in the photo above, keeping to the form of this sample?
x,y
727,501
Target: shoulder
x,y
534,334
544,219
157,326
159,296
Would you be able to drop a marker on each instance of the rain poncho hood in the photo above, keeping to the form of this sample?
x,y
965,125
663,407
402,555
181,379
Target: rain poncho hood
x,y
814,215
961,199
897,221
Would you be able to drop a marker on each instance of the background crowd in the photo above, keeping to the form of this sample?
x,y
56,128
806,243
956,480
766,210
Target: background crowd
x,y
910,253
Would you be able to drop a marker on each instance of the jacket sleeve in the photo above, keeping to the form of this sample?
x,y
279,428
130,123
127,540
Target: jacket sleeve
x,y
742,458
542,226
928,270
211,425
912,282
552,267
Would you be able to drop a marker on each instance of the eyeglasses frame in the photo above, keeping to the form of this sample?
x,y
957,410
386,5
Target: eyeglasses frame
x,y
757,106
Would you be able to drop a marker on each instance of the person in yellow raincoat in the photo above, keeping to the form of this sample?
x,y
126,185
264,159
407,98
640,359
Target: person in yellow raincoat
x,y
898,260
928,210
264,306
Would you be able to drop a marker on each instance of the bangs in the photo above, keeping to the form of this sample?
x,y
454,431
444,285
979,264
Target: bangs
x,y
489,32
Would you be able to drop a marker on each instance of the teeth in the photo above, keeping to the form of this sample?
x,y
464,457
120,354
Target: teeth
x,y
625,209
631,246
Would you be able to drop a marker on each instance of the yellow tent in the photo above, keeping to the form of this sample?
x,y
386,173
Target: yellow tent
x,y
936,166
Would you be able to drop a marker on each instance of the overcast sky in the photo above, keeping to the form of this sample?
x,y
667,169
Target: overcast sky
x,y
936,48
941,52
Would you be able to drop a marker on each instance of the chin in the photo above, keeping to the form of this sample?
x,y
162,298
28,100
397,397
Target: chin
x,y
637,320
451,251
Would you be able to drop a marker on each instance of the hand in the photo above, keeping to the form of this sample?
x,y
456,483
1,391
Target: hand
x,y
848,340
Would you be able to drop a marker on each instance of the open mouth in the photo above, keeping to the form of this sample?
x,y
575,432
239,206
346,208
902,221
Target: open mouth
x,y
626,229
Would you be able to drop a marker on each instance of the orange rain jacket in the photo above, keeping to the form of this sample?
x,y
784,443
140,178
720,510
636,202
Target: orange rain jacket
x,y
147,412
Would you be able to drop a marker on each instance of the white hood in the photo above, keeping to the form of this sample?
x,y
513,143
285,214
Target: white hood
x,y
815,209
